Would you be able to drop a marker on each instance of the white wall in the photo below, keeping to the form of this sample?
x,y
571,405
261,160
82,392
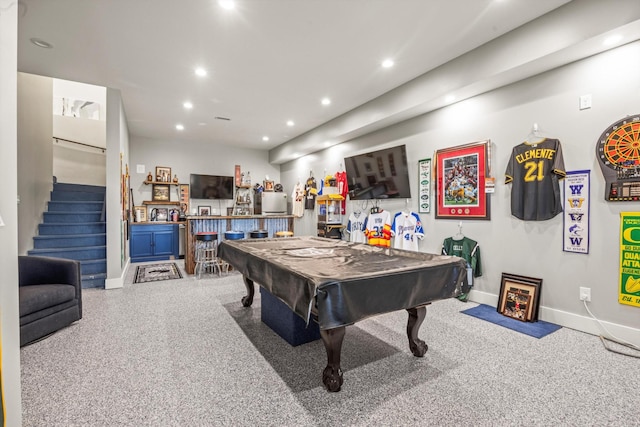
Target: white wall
x,y
507,244
204,158
9,317
35,154
79,166
117,135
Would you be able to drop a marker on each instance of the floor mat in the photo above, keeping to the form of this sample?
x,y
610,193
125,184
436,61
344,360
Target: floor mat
x,y
157,272
537,329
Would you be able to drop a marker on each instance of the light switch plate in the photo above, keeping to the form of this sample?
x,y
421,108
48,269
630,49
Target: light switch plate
x,y
1,222
140,169
585,102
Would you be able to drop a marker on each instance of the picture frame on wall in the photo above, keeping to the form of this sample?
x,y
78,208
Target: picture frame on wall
x,y
460,182
513,291
160,193
163,174
424,185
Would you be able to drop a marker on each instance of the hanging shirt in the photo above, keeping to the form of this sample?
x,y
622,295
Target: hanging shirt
x,y
310,193
469,250
297,196
356,227
406,230
534,171
378,229
343,189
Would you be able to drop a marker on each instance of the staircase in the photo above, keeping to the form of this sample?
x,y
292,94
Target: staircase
x,y
74,227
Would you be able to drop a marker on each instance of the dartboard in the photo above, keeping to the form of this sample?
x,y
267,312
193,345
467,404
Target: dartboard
x,y
619,145
618,152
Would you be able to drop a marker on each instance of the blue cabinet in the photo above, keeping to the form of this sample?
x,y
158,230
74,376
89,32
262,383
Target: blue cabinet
x,y
153,242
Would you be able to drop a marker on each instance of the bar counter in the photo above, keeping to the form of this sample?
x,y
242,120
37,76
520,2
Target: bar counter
x,y
221,224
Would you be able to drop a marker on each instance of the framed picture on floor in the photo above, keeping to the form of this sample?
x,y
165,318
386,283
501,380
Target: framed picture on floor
x,y
460,182
517,305
513,289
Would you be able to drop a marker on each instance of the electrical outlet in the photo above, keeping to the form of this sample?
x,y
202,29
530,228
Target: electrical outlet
x,y
585,294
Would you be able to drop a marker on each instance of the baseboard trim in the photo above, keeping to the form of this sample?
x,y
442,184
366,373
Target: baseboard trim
x,y
118,282
569,320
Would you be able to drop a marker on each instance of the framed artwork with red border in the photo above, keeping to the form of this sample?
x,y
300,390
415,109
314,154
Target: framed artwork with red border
x,y
460,182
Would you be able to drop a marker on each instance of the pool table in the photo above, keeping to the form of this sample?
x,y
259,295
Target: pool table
x,y
337,283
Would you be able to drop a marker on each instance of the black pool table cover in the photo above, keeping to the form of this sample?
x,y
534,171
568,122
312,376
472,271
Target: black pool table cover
x,y
343,282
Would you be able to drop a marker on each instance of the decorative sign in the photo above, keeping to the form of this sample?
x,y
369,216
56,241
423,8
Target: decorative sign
x,y
424,185
619,158
576,212
629,258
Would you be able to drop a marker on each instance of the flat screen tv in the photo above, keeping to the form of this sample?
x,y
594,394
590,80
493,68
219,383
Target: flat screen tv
x,y
381,174
211,187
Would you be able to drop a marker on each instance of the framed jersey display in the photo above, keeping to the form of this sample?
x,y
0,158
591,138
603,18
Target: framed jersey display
x,y
618,153
460,182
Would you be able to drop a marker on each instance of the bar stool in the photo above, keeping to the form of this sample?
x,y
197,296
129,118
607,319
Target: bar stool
x,y
259,234
207,252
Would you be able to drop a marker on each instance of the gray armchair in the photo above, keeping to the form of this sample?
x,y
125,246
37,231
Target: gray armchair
x,y
50,295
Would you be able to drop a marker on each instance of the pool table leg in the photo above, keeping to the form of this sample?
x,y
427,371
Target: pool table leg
x,y
416,317
251,290
332,374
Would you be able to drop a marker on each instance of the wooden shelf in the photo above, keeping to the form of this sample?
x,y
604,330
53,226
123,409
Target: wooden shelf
x,y
160,202
162,182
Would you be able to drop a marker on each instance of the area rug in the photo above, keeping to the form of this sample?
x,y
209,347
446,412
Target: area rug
x,y
157,272
537,329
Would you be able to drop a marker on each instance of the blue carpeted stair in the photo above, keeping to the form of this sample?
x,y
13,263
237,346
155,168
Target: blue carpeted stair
x,y
74,227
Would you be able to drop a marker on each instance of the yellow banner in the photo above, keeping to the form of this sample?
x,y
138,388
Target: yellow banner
x,y
629,291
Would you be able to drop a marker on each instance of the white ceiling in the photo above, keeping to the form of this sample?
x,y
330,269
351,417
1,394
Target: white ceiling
x,y
269,61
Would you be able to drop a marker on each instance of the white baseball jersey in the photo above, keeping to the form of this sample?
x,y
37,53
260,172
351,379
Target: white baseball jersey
x,y
356,226
406,230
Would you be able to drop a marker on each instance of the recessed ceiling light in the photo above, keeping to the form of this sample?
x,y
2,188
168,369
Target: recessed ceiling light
x,y
450,98
290,123
201,72
227,4
326,101
611,40
188,105
41,43
265,138
179,127
387,63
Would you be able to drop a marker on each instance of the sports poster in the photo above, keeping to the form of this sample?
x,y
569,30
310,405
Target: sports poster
x,y
424,185
629,258
576,212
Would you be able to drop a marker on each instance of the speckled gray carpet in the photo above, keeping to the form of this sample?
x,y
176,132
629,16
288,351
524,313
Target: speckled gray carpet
x,y
186,353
